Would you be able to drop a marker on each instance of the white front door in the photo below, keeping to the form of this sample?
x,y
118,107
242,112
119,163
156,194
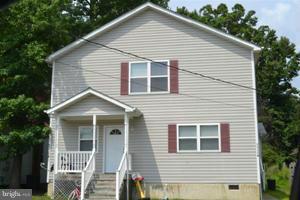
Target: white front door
x,y
114,147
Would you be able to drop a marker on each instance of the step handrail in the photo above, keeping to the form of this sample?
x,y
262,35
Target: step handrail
x,y
87,174
120,174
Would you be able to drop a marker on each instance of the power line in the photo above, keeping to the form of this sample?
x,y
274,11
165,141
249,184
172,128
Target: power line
x,y
138,83
181,69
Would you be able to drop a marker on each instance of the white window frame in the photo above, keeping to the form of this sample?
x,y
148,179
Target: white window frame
x,y
97,137
199,137
149,78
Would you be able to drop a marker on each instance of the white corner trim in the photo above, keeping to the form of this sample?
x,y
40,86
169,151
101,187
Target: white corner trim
x,y
255,116
86,92
52,84
134,12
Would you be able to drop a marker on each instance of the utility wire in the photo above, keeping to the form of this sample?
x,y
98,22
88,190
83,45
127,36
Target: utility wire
x,y
181,69
138,83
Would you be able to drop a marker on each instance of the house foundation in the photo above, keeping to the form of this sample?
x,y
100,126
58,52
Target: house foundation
x,y
203,191
50,189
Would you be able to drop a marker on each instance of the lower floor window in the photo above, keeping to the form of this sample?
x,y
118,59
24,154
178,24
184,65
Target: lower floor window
x,y
199,137
86,138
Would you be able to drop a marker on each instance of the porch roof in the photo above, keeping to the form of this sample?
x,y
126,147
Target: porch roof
x,y
86,92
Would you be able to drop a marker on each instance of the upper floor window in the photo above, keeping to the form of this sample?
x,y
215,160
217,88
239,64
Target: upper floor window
x,y
149,77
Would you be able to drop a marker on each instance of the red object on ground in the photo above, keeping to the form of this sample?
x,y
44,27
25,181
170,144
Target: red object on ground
x,y
137,177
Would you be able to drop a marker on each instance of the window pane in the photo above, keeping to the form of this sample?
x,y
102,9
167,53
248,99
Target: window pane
x,y
187,131
138,69
209,144
209,131
138,85
159,84
187,144
159,68
86,145
86,133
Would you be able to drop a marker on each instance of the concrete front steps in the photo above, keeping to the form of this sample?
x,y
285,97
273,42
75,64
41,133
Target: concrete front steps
x,y
104,187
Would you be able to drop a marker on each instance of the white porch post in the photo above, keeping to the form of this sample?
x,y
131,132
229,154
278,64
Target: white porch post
x,y
57,126
94,132
126,130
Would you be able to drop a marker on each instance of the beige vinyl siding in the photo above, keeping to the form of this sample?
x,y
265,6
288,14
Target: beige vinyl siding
x,y
160,37
92,105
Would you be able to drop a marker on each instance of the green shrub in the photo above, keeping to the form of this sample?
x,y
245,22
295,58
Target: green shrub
x,y
270,156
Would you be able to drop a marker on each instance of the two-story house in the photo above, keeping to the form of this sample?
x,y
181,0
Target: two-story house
x,y
160,94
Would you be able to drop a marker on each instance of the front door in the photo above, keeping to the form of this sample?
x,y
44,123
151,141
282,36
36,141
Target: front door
x,y
114,147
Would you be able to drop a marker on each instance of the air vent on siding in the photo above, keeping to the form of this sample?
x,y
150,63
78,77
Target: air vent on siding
x,y
233,187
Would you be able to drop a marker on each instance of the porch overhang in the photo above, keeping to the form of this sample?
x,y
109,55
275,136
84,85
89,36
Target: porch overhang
x,y
132,111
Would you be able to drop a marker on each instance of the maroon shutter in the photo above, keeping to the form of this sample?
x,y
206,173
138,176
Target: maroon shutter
x,y
225,137
174,76
172,138
124,78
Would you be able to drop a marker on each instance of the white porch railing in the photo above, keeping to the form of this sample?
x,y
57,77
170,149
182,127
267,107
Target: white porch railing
x,y
87,174
72,161
121,172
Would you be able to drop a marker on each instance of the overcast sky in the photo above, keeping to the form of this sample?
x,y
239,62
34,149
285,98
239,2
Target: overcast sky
x,y
281,15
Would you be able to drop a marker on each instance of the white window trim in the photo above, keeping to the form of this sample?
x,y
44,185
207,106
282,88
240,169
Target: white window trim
x,y
97,137
148,78
198,137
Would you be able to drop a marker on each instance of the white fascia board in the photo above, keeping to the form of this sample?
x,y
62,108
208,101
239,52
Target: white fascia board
x,y
139,9
84,93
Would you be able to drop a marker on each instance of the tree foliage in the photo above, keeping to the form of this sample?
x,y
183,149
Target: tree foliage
x,y
278,64
22,125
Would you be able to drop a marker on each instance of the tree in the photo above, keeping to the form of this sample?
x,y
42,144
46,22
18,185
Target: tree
x,y
30,31
277,65
21,127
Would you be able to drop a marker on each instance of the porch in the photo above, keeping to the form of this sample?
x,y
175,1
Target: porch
x,y
91,136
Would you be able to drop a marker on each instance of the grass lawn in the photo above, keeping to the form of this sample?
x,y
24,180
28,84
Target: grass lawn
x,y
278,194
283,185
40,197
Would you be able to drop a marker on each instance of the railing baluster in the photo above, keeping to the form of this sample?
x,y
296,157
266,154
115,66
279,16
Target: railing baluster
x,y
82,161
76,161
72,161
68,161
83,165
61,156
58,161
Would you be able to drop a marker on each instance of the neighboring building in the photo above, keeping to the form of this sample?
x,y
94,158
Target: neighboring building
x,y
27,168
189,136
